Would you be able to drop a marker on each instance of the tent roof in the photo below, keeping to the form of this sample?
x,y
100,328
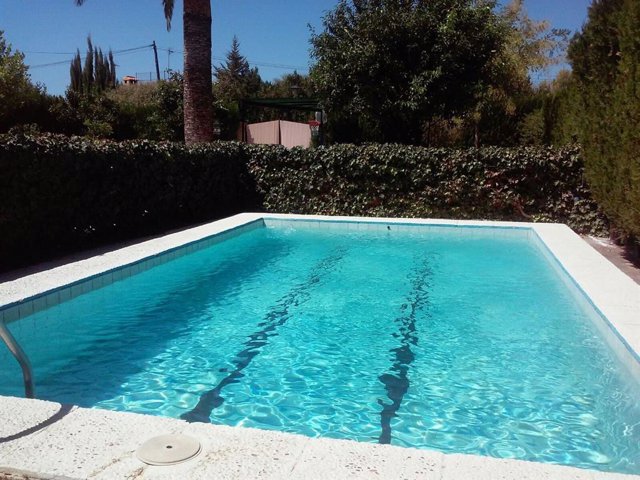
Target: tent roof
x,y
305,104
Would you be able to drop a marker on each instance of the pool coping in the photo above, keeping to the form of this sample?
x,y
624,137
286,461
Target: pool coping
x,y
608,290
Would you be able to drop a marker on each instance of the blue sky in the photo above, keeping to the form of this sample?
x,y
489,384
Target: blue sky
x,y
273,34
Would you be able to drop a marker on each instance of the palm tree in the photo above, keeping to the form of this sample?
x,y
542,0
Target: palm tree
x,y
198,97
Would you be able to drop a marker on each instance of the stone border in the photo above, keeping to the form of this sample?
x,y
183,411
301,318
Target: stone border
x,y
47,440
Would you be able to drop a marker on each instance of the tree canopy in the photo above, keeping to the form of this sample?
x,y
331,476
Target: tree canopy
x,y
235,79
394,64
20,99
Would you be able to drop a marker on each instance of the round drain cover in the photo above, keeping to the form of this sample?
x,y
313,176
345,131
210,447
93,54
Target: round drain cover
x,y
168,449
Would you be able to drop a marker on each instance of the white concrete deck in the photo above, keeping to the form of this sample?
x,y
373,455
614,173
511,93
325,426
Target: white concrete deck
x,y
45,440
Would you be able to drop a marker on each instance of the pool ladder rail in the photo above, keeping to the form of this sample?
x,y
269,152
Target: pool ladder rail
x,y
21,357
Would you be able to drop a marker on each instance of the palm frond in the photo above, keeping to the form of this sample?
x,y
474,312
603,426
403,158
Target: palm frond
x,y
167,5
168,11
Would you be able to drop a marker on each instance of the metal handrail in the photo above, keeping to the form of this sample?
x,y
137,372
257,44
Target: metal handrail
x,y
21,357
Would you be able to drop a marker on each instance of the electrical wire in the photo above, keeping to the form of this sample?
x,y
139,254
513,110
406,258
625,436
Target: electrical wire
x,y
129,51
126,51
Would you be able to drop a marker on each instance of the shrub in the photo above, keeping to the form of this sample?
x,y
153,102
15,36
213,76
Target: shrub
x,y
525,183
605,58
60,194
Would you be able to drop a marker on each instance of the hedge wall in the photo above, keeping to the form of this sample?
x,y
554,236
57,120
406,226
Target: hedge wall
x,y
60,194
525,184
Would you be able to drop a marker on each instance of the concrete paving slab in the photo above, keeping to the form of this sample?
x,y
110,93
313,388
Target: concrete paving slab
x,y
19,423
472,467
239,453
341,459
84,442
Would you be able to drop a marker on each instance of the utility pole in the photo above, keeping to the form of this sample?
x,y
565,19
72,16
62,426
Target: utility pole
x,y
155,54
169,52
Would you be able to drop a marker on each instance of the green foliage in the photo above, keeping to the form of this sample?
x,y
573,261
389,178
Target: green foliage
x,y
152,111
291,85
61,194
98,73
505,111
553,115
392,65
605,58
525,184
21,102
235,80
169,115
137,108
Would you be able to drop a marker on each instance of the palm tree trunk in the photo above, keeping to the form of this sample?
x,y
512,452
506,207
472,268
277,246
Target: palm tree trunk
x,y
198,96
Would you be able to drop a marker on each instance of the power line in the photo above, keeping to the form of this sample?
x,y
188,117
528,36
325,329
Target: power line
x,y
126,51
251,62
129,51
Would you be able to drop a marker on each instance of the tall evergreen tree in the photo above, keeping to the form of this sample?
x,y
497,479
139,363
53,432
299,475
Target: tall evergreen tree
x,y
235,79
98,73
605,57
87,71
75,73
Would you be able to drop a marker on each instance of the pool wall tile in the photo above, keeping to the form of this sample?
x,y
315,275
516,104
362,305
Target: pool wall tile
x,y
65,294
53,299
39,303
76,290
25,309
11,314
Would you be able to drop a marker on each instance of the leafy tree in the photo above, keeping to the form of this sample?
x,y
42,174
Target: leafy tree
x,y
137,111
390,65
554,117
168,118
528,47
605,56
198,99
21,101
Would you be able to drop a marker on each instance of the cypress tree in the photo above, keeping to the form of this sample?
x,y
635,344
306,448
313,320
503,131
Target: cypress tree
x,y
76,73
605,58
98,73
87,72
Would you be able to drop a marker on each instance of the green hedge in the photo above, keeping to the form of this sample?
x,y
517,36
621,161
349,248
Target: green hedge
x,y
604,57
525,184
60,194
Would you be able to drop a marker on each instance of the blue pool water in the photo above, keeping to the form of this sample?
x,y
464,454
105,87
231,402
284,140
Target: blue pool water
x,y
433,340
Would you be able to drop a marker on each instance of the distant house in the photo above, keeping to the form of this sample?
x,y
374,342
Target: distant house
x,y
129,80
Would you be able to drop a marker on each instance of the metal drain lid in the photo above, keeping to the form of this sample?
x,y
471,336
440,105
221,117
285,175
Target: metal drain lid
x,y
168,449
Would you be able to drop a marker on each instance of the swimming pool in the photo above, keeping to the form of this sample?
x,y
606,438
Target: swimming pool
x,y
456,339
